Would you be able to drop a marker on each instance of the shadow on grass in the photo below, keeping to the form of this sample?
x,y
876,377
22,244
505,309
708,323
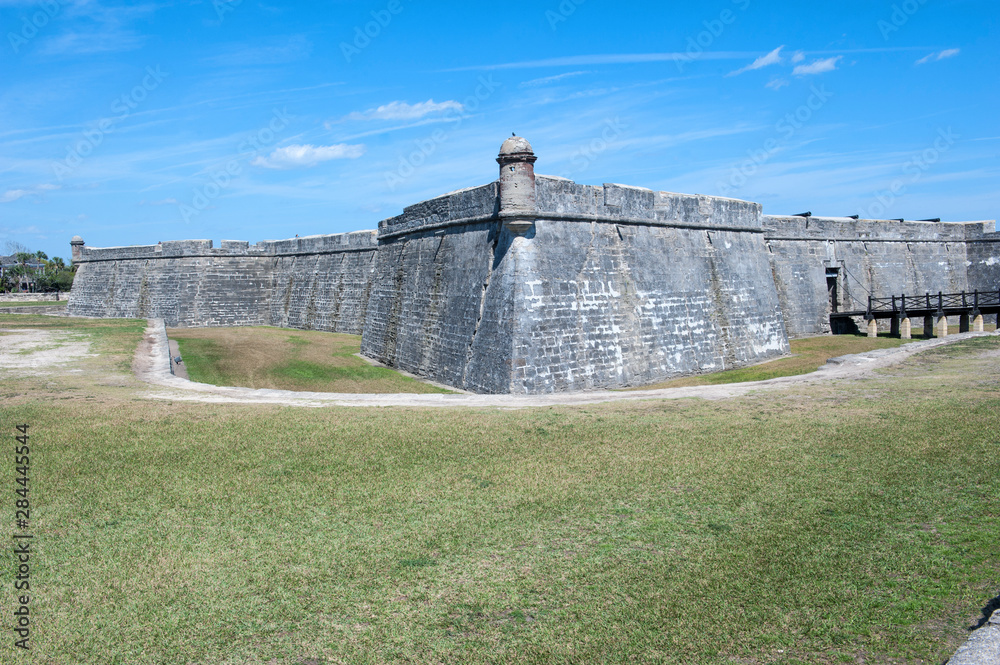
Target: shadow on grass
x,y
988,611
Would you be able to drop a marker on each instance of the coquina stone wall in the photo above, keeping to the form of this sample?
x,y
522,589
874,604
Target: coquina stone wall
x,y
983,254
861,257
441,304
610,286
319,282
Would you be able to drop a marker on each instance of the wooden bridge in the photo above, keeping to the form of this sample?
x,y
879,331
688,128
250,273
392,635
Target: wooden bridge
x,y
935,310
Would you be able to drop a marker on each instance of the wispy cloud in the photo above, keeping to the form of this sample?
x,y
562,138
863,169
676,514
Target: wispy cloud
x,y
294,49
98,28
772,58
15,194
404,111
639,58
939,55
798,57
610,59
534,83
817,67
92,41
777,84
305,156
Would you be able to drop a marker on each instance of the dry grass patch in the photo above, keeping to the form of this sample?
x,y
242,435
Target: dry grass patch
x,y
284,359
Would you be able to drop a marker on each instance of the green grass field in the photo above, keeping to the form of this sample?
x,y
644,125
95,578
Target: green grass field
x,y
841,523
287,360
34,303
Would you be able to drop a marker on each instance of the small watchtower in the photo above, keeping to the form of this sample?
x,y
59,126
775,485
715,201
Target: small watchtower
x,y
76,247
517,185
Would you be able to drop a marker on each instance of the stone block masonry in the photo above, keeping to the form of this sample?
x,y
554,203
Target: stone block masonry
x,y
314,283
825,264
538,285
534,284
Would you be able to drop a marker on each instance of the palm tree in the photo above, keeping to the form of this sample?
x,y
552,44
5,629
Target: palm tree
x,y
21,270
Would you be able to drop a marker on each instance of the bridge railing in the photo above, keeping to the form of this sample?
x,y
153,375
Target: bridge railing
x,y
934,302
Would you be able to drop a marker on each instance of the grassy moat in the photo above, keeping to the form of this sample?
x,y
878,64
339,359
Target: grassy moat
x,y
328,362
286,359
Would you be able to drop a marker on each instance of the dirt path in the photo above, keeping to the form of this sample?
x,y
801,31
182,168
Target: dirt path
x,y
152,365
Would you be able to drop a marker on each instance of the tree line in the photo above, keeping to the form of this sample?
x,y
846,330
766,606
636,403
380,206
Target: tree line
x,y
24,271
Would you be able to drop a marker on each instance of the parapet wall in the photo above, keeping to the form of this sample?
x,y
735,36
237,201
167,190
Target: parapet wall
x,y
319,282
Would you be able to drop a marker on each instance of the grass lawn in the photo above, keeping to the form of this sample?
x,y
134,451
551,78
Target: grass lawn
x,y
288,360
847,522
34,303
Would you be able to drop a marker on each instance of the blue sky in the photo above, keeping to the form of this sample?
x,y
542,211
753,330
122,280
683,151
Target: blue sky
x,y
139,122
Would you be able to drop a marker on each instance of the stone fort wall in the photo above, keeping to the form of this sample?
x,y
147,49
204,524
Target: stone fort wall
x,y
610,286
315,283
538,284
881,258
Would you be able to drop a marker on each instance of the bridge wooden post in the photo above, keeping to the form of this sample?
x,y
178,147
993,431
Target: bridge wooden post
x,y
928,326
977,316
963,322
904,329
941,324
894,326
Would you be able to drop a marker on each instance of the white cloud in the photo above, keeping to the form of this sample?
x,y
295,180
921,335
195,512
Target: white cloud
x,y
772,58
404,111
940,55
305,156
777,84
798,57
550,79
817,67
15,194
